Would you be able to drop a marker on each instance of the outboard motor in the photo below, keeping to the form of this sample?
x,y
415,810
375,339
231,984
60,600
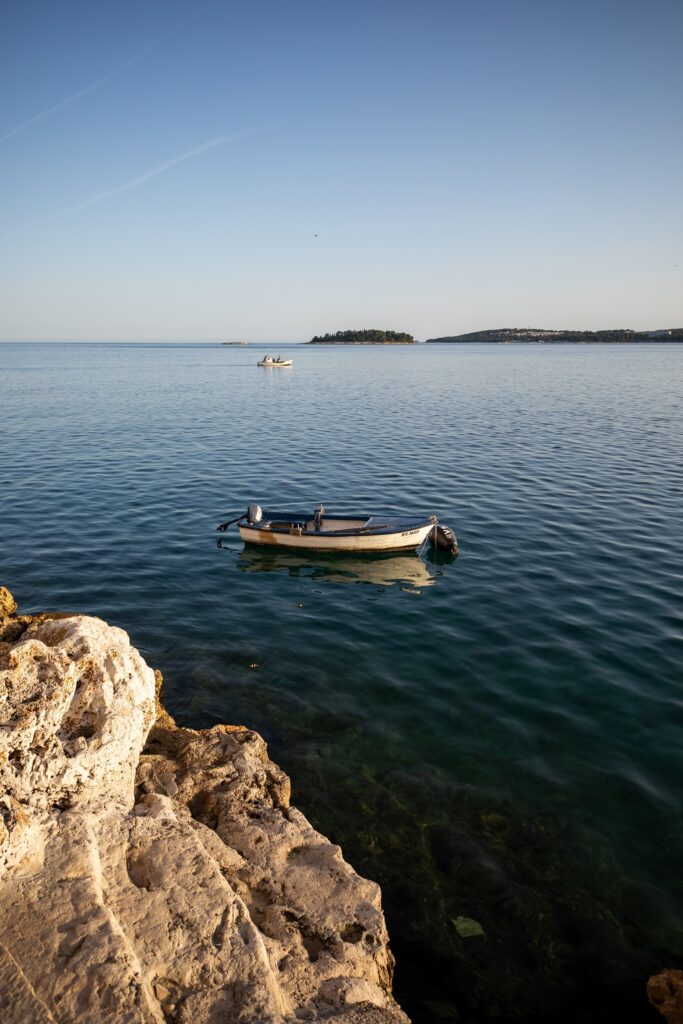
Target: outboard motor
x,y
444,539
255,514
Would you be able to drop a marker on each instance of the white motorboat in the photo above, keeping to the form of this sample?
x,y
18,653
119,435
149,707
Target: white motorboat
x,y
325,532
272,361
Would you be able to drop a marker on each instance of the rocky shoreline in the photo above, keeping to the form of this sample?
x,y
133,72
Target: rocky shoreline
x,y
152,873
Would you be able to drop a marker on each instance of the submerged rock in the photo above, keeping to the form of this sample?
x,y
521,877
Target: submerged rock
x,y
665,992
172,882
467,928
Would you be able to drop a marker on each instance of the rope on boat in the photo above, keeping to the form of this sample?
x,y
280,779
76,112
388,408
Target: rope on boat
x,y
222,527
431,536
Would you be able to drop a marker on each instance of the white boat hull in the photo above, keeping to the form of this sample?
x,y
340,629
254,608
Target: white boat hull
x,y
403,540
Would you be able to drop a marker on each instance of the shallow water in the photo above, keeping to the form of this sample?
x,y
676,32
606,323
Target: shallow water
x,y
495,738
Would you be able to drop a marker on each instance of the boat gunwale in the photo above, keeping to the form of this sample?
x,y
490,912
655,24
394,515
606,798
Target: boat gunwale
x,y
404,524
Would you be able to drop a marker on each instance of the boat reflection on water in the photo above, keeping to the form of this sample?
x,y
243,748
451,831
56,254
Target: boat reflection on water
x,y
379,570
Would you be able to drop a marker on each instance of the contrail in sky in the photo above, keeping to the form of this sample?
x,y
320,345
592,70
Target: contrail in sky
x,y
187,155
84,92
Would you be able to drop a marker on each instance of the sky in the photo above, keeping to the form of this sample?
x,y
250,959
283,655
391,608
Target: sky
x,y
271,170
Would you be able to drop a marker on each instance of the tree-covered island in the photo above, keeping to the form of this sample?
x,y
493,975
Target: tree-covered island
x,y
369,336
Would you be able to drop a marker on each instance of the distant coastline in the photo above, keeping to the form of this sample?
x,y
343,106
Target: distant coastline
x,y
517,335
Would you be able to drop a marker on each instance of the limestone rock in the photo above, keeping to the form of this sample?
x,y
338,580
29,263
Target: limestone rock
x,y
665,992
319,924
76,702
11,625
195,894
8,605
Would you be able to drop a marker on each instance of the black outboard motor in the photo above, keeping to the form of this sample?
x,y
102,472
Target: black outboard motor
x,y
443,539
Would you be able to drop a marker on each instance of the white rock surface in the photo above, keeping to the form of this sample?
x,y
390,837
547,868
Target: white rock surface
x,y
196,895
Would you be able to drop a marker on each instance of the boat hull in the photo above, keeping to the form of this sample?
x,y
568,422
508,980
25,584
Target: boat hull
x,y
399,540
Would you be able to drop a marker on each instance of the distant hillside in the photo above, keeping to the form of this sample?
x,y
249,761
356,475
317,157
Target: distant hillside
x,y
509,335
365,337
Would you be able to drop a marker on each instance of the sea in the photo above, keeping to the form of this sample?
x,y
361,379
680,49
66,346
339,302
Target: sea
x,y
496,738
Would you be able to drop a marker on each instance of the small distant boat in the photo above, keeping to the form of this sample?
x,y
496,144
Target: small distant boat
x,y
272,361
324,532
234,343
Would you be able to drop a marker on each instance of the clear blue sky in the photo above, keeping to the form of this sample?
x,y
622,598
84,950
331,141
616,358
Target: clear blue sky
x,y
272,170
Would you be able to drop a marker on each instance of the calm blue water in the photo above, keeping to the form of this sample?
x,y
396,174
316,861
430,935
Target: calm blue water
x,y
497,738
